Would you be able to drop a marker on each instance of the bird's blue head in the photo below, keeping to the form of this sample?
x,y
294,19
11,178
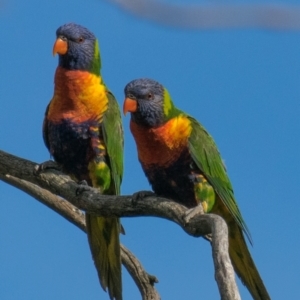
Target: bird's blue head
x,y
148,101
77,48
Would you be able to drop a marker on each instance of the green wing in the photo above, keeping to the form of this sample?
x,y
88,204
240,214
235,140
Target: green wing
x,y
208,159
113,139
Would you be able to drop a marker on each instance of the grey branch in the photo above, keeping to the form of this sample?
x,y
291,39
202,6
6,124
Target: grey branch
x,y
22,174
215,15
144,281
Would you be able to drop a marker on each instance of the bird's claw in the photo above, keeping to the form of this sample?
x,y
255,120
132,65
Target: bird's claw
x,y
193,212
140,196
49,164
82,187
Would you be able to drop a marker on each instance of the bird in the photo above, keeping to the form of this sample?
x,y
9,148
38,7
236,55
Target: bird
x,y
182,162
83,132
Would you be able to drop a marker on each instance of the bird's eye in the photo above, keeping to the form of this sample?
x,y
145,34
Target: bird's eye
x,y
80,40
131,96
150,96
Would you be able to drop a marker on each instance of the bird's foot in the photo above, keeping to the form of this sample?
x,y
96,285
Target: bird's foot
x,y
193,212
49,164
140,196
82,187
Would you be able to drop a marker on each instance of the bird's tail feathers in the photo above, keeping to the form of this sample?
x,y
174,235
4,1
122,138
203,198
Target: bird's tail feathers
x,y
103,235
244,264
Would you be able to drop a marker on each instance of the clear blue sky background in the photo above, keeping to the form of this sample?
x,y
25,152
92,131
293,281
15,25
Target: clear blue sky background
x,y
243,85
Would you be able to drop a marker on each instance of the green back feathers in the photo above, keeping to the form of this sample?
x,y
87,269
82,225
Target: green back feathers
x,y
207,157
113,138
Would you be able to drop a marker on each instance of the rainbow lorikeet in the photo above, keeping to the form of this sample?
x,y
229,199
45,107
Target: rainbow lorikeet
x,y
182,162
82,130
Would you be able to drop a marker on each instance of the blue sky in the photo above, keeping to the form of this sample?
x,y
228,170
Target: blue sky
x,y
243,85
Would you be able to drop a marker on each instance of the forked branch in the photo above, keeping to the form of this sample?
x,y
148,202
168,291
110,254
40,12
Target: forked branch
x,y
46,185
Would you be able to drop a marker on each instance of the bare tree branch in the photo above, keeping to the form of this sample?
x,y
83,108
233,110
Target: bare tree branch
x,y
215,16
144,281
124,206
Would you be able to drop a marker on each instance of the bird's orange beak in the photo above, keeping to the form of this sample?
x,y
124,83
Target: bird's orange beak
x,y
60,47
129,105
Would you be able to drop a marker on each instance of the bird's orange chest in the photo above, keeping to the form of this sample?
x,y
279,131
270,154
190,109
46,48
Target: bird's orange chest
x,y
78,95
164,144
